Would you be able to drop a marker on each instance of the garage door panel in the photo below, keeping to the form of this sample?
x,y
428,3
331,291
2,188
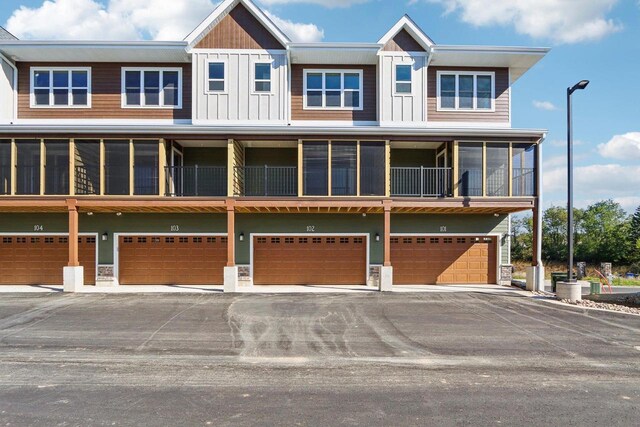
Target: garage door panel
x,y
444,260
297,260
180,260
40,260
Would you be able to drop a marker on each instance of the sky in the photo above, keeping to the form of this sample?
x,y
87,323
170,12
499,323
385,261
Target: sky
x,y
598,40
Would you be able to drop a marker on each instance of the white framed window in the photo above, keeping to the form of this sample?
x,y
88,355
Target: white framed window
x,y
403,79
216,76
333,90
60,87
152,87
262,77
466,91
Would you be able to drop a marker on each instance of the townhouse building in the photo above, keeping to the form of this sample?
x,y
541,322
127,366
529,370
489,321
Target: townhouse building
x,y
239,157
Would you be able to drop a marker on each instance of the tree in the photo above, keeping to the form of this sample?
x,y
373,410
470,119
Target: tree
x,y
634,237
554,234
522,239
603,234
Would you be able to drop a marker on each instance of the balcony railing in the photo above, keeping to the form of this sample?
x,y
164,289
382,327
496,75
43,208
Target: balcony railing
x,y
195,181
265,181
523,182
420,182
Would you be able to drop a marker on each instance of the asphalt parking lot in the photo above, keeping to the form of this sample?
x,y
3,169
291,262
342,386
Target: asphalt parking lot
x,y
330,359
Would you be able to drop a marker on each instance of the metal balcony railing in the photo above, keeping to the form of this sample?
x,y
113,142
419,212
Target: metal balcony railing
x,y
195,181
420,182
265,181
523,183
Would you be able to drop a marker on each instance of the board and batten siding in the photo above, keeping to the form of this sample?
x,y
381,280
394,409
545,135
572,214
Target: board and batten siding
x,y
369,112
402,108
502,95
106,96
239,102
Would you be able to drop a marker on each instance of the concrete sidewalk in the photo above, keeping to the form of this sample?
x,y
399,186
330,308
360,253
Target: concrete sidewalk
x,y
273,289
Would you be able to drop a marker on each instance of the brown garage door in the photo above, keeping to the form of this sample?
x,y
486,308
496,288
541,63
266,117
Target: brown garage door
x,y
309,260
443,260
39,260
171,260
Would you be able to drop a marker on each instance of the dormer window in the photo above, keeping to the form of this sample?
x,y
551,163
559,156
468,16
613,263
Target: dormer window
x,y
60,87
333,89
403,79
466,91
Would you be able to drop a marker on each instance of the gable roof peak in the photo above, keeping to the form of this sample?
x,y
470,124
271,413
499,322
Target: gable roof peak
x,y
6,35
409,25
223,9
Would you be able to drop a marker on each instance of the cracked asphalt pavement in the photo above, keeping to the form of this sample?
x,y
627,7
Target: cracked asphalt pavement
x,y
314,359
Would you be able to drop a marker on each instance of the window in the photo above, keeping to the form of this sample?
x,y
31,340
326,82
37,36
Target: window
x,y
372,169
152,88
403,79
523,164
216,76
470,169
466,91
5,166
334,90
60,87
343,168
497,169
262,77
315,159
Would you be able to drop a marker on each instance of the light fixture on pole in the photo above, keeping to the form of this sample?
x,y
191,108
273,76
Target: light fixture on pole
x,y
582,84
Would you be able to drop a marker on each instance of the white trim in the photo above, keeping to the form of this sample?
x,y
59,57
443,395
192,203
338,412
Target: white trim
x,y
475,75
365,235
103,122
225,8
336,123
272,52
51,88
46,234
406,23
402,63
116,242
509,234
253,80
498,236
342,90
142,71
207,79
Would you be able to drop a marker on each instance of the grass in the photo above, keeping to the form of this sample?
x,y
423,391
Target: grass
x,y
617,281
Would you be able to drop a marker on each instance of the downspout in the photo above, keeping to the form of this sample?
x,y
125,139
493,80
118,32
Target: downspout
x,y
14,88
540,269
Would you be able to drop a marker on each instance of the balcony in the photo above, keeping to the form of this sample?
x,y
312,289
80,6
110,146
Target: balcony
x,y
523,182
196,181
421,182
266,181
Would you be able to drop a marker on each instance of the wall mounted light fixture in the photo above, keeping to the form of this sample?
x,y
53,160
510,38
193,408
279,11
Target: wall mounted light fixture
x,y
241,237
105,237
377,237
118,213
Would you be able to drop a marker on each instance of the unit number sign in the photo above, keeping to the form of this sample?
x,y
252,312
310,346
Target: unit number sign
x,y
311,228
175,228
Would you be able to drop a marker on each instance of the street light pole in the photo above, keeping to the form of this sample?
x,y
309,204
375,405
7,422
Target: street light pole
x,y
579,86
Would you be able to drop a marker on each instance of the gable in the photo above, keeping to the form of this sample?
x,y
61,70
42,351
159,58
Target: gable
x,y
403,42
239,30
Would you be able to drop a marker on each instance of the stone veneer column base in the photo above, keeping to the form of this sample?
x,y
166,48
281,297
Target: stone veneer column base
x,y
73,279
386,279
569,291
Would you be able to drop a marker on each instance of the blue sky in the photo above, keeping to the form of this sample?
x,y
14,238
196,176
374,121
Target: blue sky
x,y
597,40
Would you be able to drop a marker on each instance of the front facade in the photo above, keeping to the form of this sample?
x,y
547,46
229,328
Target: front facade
x,y
239,157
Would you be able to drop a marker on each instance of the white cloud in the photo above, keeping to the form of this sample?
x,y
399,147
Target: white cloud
x,y
304,33
595,182
624,147
325,3
126,20
544,105
562,21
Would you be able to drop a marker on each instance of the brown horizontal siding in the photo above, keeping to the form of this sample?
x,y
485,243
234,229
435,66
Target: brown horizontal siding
x,y
369,95
106,98
403,42
501,113
239,30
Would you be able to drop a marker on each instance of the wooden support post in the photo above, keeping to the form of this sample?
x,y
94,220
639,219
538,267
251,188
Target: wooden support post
x,y
73,233
231,166
300,164
387,168
510,166
387,234
358,169
484,169
231,234
43,166
72,167
14,166
162,163
102,168
132,168
329,160
454,165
